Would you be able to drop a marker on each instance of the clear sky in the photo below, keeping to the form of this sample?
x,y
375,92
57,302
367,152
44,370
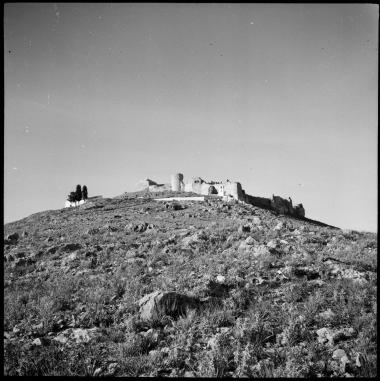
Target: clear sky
x,y
281,97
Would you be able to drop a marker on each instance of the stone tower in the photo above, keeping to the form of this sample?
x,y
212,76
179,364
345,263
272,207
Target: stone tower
x,y
177,182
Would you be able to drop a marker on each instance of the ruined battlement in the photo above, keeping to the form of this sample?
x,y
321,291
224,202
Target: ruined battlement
x,y
228,190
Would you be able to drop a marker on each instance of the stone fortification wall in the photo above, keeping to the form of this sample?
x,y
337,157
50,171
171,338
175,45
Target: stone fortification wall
x,y
227,190
235,190
299,210
261,202
281,205
160,188
278,204
145,184
152,186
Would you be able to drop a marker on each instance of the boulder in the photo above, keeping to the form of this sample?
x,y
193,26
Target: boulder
x,y
159,303
327,315
340,355
279,226
138,228
256,220
220,279
333,336
194,239
37,342
247,244
250,241
261,251
325,335
77,335
272,244
189,373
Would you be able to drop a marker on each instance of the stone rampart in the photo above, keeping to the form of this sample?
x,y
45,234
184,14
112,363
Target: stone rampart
x,y
227,190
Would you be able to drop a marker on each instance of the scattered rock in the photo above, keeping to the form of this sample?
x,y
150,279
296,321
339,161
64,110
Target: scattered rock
x,y
110,228
272,244
220,279
330,336
93,231
159,303
78,335
261,251
250,241
37,342
325,335
256,220
340,355
279,226
111,369
354,275
138,228
247,244
38,326
189,373
137,260
327,315
194,239
72,256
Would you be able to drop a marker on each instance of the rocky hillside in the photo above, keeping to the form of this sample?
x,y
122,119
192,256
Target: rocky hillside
x,y
130,286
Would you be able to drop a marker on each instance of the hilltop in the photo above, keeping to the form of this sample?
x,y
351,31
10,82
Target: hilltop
x,y
249,292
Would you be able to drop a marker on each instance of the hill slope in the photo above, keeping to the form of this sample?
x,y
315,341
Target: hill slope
x,y
273,296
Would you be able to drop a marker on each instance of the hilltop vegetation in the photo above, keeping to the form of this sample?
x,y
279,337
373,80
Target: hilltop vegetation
x,y
275,296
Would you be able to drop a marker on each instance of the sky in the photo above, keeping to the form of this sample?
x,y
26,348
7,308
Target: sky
x,y
280,97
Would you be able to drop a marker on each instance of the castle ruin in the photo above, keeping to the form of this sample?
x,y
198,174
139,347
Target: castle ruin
x,y
228,191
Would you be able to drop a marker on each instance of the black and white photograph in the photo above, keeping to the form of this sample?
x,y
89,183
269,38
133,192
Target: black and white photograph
x,y
190,189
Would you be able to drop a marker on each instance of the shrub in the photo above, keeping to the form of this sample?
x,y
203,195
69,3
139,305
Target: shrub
x,y
71,197
78,193
84,192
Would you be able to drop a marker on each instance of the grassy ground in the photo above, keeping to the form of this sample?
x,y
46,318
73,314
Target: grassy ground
x,y
87,267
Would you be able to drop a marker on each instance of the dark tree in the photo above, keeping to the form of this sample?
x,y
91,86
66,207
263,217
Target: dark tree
x,y
84,192
71,197
78,193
